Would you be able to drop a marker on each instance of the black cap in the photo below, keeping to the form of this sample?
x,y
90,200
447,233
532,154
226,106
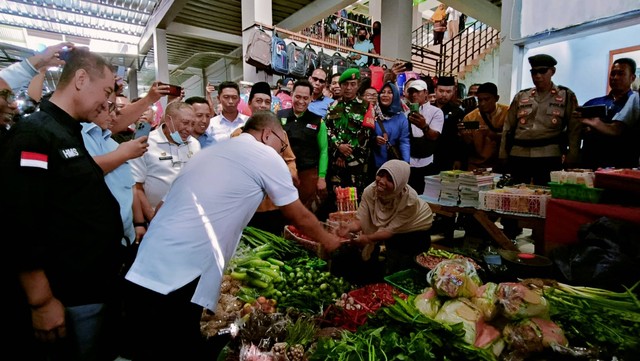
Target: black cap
x,y
488,88
446,81
261,87
542,60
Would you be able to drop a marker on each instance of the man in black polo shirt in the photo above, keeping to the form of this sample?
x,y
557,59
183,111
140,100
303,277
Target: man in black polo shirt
x,y
308,136
62,265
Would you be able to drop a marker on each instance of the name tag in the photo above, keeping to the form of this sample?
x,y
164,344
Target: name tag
x,y
69,153
166,158
312,126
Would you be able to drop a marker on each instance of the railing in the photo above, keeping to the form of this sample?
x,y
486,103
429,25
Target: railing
x,y
458,52
335,30
452,56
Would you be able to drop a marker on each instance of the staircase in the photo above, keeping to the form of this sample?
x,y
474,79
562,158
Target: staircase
x,y
456,56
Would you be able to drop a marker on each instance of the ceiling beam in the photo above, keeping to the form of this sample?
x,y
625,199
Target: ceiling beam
x,y
312,13
482,10
161,18
204,34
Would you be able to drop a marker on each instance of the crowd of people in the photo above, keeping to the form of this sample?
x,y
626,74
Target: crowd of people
x,y
110,222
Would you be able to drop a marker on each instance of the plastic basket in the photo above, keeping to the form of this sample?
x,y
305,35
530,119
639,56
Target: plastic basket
x,y
417,281
513,203
576,192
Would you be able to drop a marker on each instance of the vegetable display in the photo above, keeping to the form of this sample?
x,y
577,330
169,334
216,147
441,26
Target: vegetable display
x,y
288,306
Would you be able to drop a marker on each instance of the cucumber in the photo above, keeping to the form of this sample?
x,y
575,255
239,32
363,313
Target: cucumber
x,y
255,274
257,283
275,275
274,261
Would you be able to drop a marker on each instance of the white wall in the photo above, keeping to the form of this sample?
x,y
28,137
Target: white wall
x,y
583,63
538,16
486,71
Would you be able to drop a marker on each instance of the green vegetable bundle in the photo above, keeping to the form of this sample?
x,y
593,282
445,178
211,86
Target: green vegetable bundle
x,y
607,320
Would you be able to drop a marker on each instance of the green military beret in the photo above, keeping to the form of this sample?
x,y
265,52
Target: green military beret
x,y
349,74
542,60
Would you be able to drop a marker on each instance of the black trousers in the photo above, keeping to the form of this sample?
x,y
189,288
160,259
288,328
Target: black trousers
x,y
416,177
166,327
533,170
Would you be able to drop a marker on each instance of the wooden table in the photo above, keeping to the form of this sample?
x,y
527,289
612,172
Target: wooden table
x,y
484,218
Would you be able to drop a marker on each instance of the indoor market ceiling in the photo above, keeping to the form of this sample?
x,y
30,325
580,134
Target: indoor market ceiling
x,y
198,32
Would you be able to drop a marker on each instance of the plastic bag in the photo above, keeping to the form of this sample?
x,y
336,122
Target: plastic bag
x,y
487,300
454,278
517,301
461,310
428,303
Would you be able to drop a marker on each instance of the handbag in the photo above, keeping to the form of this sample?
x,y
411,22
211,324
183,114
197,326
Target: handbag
x,y
392,150
421,147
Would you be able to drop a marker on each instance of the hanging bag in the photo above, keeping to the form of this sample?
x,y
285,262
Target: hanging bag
x,y
392,151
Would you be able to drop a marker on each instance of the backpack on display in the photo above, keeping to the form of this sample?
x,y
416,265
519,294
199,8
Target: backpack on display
x,y
259,50
311,60
325,62
297,62
338,63
279,58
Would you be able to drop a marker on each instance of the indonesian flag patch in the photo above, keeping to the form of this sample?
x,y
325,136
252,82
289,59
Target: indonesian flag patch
x,y
36,160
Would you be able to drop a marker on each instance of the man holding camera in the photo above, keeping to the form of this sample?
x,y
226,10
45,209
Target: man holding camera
x,y
481,130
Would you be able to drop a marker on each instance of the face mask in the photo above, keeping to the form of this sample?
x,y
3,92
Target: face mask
x,y
175,135
362,37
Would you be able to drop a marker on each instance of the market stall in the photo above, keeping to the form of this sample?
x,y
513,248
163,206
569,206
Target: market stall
x,y
282,302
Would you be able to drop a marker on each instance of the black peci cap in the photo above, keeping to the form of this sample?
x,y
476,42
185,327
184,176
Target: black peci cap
x,y
488,88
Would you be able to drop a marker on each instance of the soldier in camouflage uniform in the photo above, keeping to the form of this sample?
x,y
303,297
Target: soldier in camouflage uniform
x,y
350,124
539,128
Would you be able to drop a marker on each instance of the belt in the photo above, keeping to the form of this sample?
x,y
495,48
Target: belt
x,y
531,143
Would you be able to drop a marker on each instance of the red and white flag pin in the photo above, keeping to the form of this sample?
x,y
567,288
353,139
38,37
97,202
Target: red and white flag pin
x,y
32,159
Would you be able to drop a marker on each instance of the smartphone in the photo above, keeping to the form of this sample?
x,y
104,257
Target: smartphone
x,y
174,90
408,66
121,71
593,111
471,125
142,129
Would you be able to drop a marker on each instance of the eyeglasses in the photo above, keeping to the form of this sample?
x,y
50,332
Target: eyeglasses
x,y
284,145
539,71
8,95
321,81
112,106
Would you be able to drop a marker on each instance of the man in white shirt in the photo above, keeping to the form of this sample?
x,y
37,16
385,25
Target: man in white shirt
x,y
426,127
180,263
453,22
171,146
223,125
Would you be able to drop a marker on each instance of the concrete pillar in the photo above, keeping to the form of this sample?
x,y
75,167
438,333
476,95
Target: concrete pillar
x,y
160,59
132,83
510,60
396,29
375,10
254,11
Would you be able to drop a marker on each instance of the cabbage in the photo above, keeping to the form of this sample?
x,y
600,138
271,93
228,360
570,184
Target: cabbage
x,y
454,278
428,303
517,301
486,300
461,310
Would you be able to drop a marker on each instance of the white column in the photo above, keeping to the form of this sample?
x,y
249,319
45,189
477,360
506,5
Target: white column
x,y
509,73
254,11
396,29
132,83
160,59
375,10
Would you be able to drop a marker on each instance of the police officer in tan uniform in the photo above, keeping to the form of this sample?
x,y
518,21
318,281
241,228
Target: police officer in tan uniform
x,y
539,128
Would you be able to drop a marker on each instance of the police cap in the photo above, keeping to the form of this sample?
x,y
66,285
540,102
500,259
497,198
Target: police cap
x,y
542,60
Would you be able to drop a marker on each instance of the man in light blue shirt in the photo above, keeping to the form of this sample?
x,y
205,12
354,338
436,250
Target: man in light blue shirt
x,y
112,159
320,103
364,45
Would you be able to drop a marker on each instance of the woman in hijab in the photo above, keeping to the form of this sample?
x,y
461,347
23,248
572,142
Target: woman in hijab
x,y
390,212
396,127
